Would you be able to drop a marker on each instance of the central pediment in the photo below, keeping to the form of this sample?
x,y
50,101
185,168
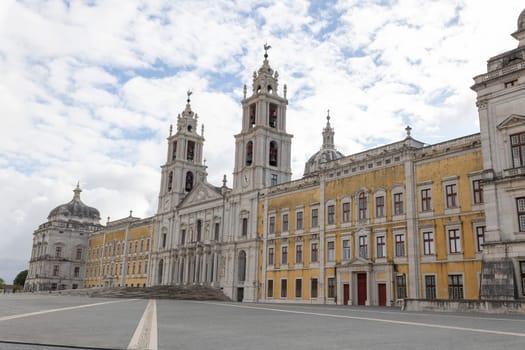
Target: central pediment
x,y
202,193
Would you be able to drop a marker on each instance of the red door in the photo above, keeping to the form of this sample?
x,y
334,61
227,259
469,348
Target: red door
x,y
381,292
346,293
361,289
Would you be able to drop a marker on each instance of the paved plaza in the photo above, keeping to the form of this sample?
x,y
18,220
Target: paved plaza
x,y
171,324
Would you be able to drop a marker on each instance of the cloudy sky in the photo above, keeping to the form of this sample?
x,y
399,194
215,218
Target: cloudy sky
x,y
89,88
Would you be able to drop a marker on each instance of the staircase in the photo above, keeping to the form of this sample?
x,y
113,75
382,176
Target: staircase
x,y
195,292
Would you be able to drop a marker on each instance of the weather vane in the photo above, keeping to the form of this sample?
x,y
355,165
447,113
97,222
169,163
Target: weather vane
x,y
266,48
189,92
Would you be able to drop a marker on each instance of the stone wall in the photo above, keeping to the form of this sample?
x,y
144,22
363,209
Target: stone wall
x,y
484,306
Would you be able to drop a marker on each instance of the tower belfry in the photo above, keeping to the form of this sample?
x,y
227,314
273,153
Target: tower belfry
x,y
263,148
184,166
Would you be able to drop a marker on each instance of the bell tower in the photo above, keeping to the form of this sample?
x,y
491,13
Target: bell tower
x,y
263,148
184,167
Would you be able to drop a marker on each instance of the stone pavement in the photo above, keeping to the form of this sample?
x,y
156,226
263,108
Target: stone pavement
x,y
174,324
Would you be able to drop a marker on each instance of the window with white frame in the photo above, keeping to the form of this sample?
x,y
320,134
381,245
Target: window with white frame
x,y
399,244
363,246
380,206
284,255
284,288
330,214
520,206
381,247
522,271
451,195
430,287
299,254
299,225
454,240
298,288
517,142
314,252
363,206
398,203
285,222
401,286
480,238
330,248
269,289
270,255
315,217
314,286
428,243
477,191
330,287
346,249
271,225
346,212
426,199
455,286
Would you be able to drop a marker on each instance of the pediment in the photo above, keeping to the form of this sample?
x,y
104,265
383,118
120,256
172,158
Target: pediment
x,y
512,120
358,261
202,193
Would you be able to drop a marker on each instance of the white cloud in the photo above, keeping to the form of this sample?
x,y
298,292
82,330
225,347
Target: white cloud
x,y
88,91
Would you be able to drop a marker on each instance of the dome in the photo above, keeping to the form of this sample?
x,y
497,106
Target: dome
x,y
521,21
75,209
323,156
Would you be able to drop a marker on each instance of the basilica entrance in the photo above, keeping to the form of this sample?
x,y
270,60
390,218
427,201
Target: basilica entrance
x,y
361,289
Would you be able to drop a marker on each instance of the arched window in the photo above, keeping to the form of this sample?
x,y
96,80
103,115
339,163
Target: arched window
x,y
160,271
273,153
272,116
189,181
242,266
269,89
249,153
252,116
170,181
190,152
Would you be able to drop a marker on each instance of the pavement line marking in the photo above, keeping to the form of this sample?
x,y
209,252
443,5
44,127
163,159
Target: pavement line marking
x,y
145,336
406,323
29,314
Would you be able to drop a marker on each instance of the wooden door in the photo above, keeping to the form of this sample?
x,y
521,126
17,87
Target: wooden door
x,y
361,289
381,292
346,293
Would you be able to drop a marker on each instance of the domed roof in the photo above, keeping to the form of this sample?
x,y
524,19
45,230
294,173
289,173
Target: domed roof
x,y
521,21
327,153
75,209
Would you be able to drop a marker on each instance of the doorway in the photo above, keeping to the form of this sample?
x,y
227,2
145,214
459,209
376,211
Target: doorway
x,y
240,294
361,289
346,293
381,293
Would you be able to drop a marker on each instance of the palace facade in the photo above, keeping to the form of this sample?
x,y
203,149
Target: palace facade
x,y
403,220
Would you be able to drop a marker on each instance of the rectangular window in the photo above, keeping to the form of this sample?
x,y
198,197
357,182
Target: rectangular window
x,y
428,243
331,215
315,217
517,143
520,204
299,254
58,252
331,287
274,180
298,288
477,188
454,241
313,288
79,254
299,221
363,206
380,207
270,256
452,194
285,223
430,287
182,237
330,247
244,227
398,203
314,252
271,225
480,238
269,289
55,270
346,249
76,272
426,200
401,286
522,268
284,255
346,212
363,246
217,231
381,247
174,155
400,244
455,287
284,288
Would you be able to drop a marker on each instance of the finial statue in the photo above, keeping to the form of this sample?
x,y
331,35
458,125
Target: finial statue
x,y
224,181
266,48
328,115
171,129
189,92
130,213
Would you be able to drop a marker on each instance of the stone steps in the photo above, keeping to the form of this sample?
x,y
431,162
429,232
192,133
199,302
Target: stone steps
x,y
195,292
